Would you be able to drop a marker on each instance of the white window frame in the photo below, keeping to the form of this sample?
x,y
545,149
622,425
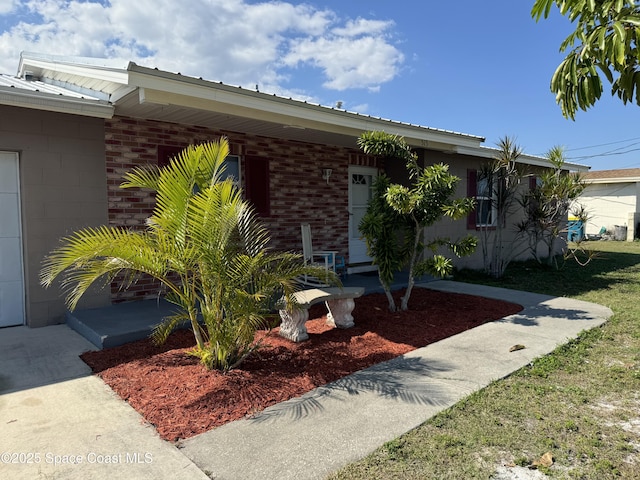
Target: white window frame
x,y
485,193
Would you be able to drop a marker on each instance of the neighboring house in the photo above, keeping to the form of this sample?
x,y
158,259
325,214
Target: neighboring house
x,y
612,201
71,127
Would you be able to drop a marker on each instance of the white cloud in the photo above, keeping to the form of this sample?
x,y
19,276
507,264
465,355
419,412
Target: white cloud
x,y
348,62
363,108
6,6
223,40
361,26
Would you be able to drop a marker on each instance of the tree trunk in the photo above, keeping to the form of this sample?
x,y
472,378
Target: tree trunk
x,y
387,292
195,326
410,282
392,302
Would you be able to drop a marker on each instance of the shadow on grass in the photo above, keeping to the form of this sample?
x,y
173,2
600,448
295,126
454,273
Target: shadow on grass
x,y
570,280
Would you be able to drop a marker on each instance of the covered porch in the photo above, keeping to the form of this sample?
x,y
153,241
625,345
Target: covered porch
x,y
122,323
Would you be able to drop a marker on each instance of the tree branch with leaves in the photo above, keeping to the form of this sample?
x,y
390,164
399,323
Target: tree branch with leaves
x,y
605,41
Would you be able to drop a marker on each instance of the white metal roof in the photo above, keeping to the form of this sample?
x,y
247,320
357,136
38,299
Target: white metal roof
x,y
9,81
20,92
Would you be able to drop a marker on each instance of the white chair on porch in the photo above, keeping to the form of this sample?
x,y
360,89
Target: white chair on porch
x,y
325,258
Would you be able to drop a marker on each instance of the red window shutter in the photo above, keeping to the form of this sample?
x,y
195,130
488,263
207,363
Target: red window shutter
x,y
472,191
533,182
166,153
256,184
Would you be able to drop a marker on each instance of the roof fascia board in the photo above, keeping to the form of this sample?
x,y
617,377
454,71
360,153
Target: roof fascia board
x,y
48,102
164,89
489,153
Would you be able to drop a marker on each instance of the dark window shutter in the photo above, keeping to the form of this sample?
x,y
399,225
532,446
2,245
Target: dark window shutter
x,y
472,191
533,182
256,184
166,153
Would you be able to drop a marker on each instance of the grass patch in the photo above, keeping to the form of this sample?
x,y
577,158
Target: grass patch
x,y
581,402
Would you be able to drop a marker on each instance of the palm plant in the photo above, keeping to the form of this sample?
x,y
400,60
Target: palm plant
x,y
548,205
502,178
206,247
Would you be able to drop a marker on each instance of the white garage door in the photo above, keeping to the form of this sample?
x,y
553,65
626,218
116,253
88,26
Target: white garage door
x,y
12,298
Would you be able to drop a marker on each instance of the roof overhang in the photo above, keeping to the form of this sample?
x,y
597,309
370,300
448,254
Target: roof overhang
x,y
142,92
490,153
173,97
146,93
54,103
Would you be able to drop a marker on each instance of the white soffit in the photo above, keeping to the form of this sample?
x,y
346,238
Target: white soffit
x,y
163,88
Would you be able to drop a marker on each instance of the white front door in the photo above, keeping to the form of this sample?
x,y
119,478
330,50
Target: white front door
x,y
12,298
360,181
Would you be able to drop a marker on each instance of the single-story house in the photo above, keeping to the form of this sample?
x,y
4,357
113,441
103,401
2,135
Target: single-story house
x,y
71,127
612,200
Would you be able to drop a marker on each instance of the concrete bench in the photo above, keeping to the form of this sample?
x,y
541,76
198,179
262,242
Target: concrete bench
x,y
339,301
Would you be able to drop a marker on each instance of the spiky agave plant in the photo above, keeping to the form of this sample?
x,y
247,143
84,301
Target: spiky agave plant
x,y
203,243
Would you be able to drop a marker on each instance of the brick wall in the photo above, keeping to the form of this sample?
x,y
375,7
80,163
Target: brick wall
x,y
297,191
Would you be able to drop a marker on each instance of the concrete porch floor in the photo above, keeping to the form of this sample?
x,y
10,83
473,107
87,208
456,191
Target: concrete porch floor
x,y
122,323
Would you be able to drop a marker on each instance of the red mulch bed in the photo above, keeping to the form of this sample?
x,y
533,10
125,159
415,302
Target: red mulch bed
x,y
172,391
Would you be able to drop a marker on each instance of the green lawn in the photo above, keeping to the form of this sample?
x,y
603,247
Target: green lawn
x,y
581,403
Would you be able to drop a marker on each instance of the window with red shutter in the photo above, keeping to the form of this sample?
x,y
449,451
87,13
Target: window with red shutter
x,y
256,184
166,153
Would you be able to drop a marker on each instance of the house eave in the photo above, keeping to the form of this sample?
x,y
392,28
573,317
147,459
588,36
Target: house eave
x,y
55,103
490,153
143,92
108,82
168,89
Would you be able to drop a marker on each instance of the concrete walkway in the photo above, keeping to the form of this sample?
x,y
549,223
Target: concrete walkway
x,y
58,421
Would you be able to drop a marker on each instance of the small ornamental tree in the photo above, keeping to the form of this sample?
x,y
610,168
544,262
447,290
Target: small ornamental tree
x,y
381,227
428,198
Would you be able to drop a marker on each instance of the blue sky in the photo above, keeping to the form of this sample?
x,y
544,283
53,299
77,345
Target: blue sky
x,y
475,67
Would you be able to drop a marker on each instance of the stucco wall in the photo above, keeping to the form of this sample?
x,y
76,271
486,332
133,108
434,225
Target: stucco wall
x,y
63,188
610,204
459,165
